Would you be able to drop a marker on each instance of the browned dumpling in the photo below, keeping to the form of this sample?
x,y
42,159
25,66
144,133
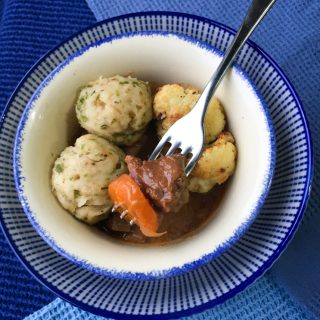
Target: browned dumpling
x,y
216,164
172,102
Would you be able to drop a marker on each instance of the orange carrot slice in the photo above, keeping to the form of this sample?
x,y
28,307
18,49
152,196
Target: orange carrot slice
x,y
126,193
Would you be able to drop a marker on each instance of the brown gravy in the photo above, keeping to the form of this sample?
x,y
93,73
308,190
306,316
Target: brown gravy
x,y
184,223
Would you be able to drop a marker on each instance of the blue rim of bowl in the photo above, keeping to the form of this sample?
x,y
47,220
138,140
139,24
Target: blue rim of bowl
x,y
255,274
156,274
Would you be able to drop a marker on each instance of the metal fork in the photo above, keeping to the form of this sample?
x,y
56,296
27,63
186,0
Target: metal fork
x,y
193,143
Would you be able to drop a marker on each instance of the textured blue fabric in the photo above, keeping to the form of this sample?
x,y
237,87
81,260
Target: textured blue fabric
x,y
263,300
290,34
27,30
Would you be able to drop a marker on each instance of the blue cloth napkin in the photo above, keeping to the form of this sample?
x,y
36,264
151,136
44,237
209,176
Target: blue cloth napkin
x,y
290,33
262,300
28,29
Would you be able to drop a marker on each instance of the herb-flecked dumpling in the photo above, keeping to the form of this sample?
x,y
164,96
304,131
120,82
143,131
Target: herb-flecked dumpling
x,y
81,176
116,108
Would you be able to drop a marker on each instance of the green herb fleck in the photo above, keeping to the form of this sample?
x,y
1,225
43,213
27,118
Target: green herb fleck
x,y
76,193
123,82
104,126
117,93
83,118
59,167
81,100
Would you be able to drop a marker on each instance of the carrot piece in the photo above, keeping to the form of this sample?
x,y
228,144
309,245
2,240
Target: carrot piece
x,y
124,191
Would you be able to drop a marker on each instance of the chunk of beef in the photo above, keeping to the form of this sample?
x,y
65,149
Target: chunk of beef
x,y
162,180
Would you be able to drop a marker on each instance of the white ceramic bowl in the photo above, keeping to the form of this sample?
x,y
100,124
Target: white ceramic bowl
x,y
49,124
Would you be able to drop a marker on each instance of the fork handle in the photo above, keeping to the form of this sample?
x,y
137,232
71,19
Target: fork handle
x,y
255,14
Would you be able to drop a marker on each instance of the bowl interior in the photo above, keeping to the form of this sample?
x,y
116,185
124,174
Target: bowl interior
x,y
49,125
